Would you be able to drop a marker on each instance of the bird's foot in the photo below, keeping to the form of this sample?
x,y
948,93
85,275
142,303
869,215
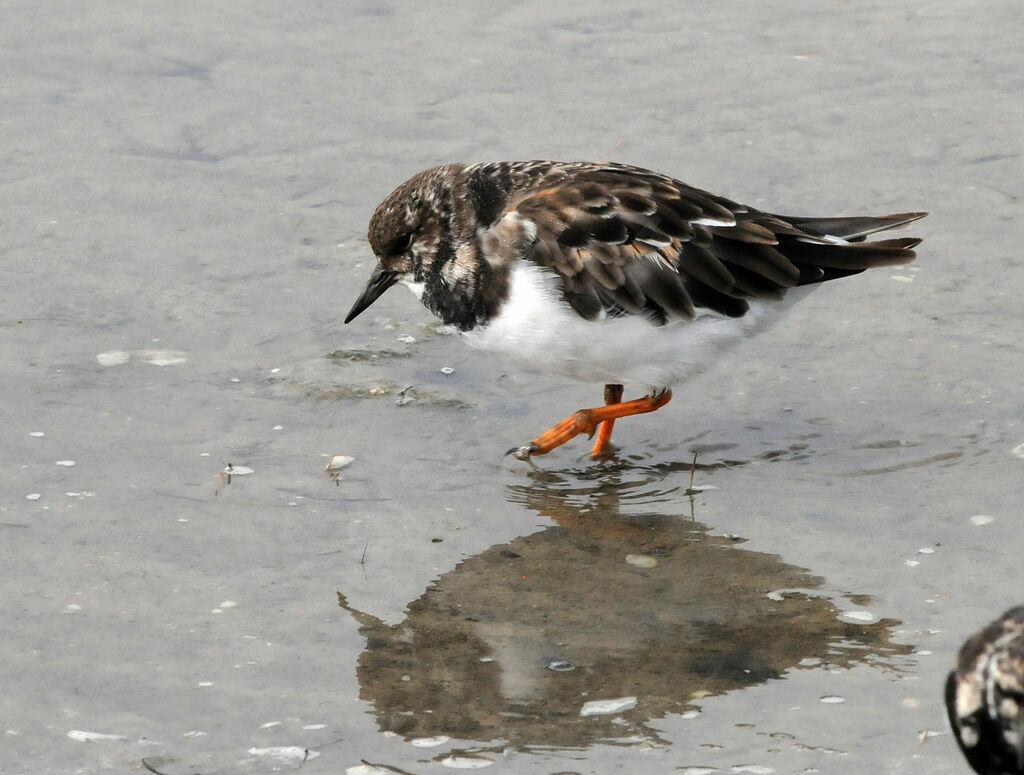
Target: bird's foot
x,y
524,452
587,421
581,422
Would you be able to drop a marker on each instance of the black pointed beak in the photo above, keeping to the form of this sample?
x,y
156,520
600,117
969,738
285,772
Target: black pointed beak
x,y
380,281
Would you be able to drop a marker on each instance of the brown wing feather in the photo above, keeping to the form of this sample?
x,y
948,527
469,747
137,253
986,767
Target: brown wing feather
x,y
629,241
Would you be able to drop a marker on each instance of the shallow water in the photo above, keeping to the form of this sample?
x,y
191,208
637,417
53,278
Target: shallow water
x,y
186,192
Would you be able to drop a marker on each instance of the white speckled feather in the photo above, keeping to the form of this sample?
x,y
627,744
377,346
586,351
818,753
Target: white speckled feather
x,y
538,331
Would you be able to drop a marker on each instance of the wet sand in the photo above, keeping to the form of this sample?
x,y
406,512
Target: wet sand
x,y
185,193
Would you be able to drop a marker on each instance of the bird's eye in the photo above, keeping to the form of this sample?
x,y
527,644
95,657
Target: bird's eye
x,y
401,243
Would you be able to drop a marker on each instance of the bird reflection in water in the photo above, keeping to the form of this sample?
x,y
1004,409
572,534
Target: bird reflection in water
x,y
612,601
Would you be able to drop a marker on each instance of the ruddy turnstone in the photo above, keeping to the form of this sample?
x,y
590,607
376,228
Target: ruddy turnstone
x,y
605,272
985,697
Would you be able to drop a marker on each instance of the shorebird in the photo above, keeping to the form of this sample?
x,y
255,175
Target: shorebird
x,y
605,272
985,697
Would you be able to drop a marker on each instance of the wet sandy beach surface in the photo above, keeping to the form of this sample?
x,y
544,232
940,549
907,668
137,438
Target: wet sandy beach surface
x,y
185,193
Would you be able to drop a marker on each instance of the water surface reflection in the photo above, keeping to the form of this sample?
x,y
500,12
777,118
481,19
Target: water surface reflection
x,y
604,604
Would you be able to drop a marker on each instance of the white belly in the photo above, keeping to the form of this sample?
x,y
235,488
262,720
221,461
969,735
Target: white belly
x,y
538,331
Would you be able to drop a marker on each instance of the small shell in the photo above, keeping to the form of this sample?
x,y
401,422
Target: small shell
x,y
163,357
641,560
429,742
113,358
858,617
466,762
602,707
339,462
285,753
90,737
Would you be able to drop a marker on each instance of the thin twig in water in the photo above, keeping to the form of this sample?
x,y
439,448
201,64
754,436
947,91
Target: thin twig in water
x,y
691,490
399,770
152,769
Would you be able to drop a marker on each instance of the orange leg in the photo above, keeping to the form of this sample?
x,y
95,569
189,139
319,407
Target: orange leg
x,y
612,395
586,421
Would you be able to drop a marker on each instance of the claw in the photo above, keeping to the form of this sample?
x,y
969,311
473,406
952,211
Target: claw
x,y
524,452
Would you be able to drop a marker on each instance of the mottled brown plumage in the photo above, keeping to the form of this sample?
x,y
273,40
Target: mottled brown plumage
x,y
985,697
622,240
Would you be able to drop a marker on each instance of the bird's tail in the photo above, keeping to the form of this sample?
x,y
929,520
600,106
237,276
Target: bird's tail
x,y
826,248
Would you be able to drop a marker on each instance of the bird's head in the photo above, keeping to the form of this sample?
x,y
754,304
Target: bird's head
x,y
409,230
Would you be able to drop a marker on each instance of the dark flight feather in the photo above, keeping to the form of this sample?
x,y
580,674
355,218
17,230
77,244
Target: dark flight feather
x,y
614,221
